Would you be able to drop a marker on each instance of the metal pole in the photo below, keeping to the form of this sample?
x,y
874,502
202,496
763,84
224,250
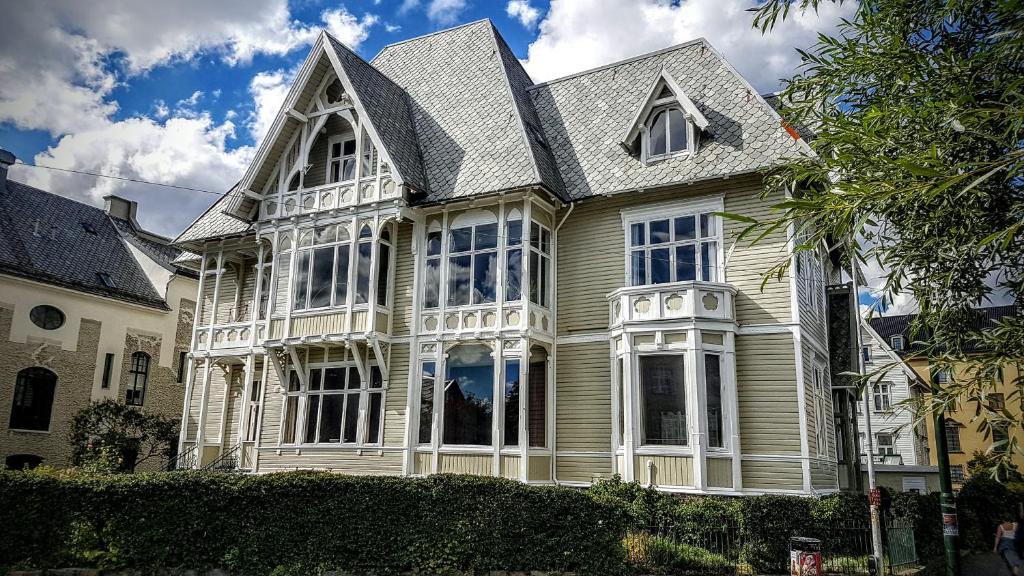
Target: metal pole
x,y
874,495
947,502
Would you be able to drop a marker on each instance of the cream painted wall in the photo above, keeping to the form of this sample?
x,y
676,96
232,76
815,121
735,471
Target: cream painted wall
x,y
116,316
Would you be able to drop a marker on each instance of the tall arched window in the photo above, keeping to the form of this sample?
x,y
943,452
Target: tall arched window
x,y
138,376
33,399
469,395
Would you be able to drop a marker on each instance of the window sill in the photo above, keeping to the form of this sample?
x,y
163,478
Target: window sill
x,y
664,451
650,160
28,431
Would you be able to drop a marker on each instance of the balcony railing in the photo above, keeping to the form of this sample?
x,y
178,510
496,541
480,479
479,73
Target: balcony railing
x,y
330,196
675,301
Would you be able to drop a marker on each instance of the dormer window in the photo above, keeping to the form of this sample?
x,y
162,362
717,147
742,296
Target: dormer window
x,y
666,132
667,123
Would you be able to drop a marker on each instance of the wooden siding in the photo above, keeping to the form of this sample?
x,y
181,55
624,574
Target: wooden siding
x,y
824,476
539,468
719,472
664,470
774,475
371,462
479,464
215,405
273,404
510,467
423,463
584,397
812,418
582,468
282,287
318,324
586,275
403,290
766,386
394,403
317,173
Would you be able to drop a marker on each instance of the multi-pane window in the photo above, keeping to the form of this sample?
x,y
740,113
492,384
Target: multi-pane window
x,y
996,401
663,400
821,427
138,376
472,264
885,444
676,249
882,395
369,164
321,268
953,436
943,377
956,473
666,132
1000,434
896,342
432,281
33,399
713,388
336,397
468,396
540,264
513,260
341,162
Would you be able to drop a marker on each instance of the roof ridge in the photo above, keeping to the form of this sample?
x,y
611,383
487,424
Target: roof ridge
x,y
658,52
429,34
498,42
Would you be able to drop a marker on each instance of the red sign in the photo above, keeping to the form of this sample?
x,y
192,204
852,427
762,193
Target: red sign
x,y
875,497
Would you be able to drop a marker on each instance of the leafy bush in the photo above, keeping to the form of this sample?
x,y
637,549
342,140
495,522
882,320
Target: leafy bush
x,y
768,523
662,555
111,436
981,505
304,523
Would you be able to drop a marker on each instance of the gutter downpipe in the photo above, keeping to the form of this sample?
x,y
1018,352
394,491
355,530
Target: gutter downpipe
x,y
554,348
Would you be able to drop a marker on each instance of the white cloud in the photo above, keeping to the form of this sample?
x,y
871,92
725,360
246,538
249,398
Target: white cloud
x,y
392,27
407,6
268,90
522,11
350,30
189,152
445,12
580,34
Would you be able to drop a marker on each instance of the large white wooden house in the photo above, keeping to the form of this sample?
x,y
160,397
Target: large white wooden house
x,y
434,264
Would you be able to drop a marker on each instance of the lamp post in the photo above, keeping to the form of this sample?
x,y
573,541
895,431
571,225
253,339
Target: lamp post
x,y
947,502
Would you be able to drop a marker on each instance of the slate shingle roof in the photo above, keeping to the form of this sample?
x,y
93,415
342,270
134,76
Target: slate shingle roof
x,y
214,223
387,106
461,117
888,326
585,115
55,240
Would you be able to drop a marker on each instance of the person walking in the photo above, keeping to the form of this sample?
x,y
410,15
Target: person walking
x,y
1006,545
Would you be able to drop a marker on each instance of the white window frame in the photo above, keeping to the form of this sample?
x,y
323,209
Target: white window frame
x,y
472,252
543,295
671,211
881,397
897,338
818,389
884,449
331,160
658,106
362,393
689,397
338,246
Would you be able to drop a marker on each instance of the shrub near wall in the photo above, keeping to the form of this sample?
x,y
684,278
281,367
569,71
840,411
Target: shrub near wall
x,y
305,522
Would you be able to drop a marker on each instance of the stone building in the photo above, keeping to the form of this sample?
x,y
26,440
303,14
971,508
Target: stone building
x,y
92,306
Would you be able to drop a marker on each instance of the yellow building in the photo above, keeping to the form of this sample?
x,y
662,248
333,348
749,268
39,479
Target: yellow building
x,y
963,436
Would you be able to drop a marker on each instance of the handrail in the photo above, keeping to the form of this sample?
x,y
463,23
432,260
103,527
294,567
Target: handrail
x,y
185,460
226,462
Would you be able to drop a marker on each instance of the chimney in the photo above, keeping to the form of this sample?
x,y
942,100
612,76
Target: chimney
x,y
121,208
6,160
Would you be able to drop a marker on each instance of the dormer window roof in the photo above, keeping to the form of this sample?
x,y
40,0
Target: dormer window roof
x,y
667,124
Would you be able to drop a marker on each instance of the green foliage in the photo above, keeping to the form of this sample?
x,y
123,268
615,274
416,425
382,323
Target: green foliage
x,y
921,511
768,523
110,436
292,523
918,112
666,556
981,505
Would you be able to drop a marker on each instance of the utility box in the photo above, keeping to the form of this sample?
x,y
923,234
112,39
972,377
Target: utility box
x,y
805,557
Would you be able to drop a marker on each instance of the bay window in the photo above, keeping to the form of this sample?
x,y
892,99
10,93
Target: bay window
x,y
321,268
713,399
511,405
432,281
536,410
427,371
472,264
663,400
363,255
677,249
513,260
336,399
540,264
468,395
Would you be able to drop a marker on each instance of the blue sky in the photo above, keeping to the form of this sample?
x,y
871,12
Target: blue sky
x,y
182,92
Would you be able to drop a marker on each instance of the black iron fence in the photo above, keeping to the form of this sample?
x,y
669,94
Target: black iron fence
x,y
720,549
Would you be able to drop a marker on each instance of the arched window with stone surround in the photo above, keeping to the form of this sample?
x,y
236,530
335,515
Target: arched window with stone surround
x,y
34,391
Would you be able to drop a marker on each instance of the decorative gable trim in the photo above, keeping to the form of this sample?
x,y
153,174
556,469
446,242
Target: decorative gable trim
x,y
690,111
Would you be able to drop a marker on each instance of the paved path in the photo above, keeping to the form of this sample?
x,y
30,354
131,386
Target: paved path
x,y
983,565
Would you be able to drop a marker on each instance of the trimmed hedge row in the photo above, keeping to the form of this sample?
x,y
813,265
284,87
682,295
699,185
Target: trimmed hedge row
x,y
304,522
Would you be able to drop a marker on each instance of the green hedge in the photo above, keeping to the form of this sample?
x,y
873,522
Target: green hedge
x,y
304,522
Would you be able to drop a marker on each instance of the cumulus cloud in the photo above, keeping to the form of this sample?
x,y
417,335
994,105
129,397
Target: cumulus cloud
x,y
268,91
191,152
445,12
580,34
346,27
522,11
